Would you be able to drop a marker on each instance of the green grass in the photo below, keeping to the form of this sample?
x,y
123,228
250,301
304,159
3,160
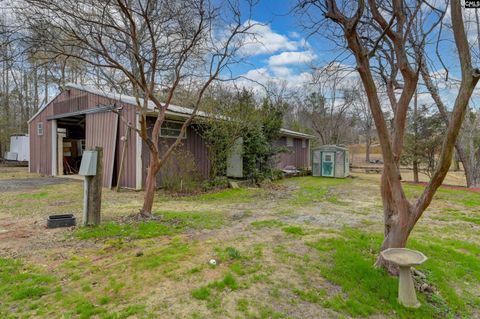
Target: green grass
x,y
314,189
294,230
39,195
347,261
170,224
202,293
134,231
21,282
233,253
458,196
211,292
313,296
163,256
21,285
451,214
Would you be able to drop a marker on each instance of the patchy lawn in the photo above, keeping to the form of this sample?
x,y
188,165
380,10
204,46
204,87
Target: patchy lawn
x,y
301,248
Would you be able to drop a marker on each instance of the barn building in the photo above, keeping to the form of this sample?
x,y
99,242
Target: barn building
x,y
80,118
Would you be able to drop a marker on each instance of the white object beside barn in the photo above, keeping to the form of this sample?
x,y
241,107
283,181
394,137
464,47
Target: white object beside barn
x,y
19,145
235,160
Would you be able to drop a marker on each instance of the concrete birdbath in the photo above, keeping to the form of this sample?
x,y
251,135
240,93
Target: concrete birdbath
x,y
405,258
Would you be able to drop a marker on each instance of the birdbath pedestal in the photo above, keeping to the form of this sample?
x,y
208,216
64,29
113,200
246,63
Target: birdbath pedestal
x,y
405,258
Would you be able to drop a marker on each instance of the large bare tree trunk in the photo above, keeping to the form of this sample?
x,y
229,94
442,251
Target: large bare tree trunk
x,y
401,216
150,186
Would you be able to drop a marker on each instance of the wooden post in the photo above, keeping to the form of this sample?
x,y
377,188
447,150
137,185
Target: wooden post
x,y
122,160
93,193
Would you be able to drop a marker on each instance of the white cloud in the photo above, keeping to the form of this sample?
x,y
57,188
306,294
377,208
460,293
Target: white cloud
x,y
275,75
281,71
265,41
291,58
294,34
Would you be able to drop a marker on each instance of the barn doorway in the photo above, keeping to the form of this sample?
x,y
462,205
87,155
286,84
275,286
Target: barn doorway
x,y
70,144
74,133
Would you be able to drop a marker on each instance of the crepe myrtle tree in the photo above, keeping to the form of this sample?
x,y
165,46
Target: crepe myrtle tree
x,y
366,29
152,45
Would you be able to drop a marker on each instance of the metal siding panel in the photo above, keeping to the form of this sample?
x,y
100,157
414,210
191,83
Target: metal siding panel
x,y
193,143
128,116
40,146
101,130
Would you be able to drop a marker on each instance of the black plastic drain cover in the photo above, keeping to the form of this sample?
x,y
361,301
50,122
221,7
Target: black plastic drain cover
x,y
65,220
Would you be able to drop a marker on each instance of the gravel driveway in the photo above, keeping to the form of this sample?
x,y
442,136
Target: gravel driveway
x,y
29,183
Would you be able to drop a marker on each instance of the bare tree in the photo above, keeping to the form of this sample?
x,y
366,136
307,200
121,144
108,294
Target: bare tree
x,y
153,46
365,28
327,104
364,118
467,151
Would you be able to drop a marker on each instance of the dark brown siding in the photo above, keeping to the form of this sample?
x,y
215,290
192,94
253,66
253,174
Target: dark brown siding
x,y
193,144
296,156
127,116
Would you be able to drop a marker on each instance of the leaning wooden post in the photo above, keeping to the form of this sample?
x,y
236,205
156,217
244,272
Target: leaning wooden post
x,y
92,168
122,160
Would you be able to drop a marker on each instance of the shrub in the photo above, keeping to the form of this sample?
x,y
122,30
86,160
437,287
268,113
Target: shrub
x,y
180,173
217,182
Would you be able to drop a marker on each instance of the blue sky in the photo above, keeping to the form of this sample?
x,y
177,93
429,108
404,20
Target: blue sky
x,y
287,54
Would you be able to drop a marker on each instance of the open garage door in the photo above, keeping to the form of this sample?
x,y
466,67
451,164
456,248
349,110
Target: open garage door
x,y
101,130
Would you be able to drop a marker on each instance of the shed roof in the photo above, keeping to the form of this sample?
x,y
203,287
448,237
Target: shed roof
x,y
172,109
331,148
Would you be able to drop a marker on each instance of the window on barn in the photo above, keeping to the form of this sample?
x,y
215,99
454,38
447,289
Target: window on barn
x,y
304,143
40,128
171,129
289,141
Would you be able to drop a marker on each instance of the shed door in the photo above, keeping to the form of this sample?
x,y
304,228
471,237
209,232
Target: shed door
x,y
101,130
328,164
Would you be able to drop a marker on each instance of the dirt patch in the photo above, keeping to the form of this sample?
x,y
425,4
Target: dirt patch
x,y
27,237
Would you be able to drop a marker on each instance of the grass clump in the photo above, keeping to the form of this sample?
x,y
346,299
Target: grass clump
x,y
294,230
202,293
233,253
210,292
313,296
